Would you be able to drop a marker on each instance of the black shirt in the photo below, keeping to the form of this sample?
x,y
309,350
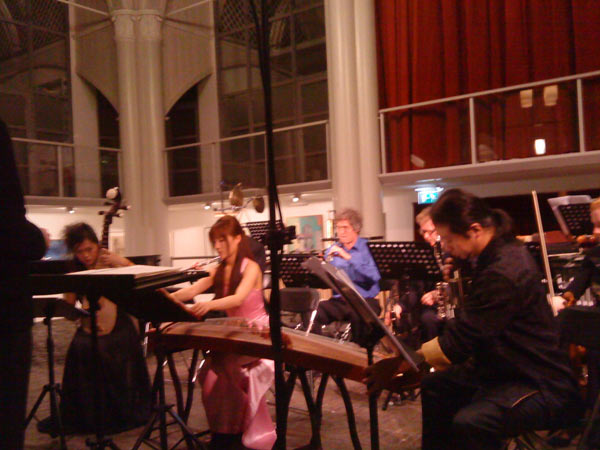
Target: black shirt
x,y
20,241
588,275
506,326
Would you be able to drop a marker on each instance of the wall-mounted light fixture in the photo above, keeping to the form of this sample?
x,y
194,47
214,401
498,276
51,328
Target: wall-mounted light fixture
x,y
540,146
296,198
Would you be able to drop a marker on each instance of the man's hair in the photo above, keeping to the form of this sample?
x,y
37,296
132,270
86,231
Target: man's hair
x,y
458,210
423,216
352,216
76,233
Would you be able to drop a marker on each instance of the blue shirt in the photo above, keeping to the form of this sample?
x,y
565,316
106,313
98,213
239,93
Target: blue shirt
x,y
360,268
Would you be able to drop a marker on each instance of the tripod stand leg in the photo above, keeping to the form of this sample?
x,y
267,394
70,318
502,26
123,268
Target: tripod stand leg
x,y
349,411
38,402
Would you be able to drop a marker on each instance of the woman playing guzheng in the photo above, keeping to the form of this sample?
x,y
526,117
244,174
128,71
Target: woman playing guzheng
x,y
234,386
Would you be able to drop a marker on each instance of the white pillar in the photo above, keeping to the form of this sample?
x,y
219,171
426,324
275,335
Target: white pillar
x,y
131,175
152,134
368,126
85,127
343,104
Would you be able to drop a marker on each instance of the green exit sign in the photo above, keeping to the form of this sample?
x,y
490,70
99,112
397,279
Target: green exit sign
x,y
428,196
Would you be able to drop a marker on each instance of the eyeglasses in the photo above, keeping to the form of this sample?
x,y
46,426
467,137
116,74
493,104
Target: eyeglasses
x,y
426,233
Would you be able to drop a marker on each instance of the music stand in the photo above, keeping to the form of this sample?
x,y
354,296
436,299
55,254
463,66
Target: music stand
x,y
49,307
396,259
260,230
293,274
156,308
577,218
339,281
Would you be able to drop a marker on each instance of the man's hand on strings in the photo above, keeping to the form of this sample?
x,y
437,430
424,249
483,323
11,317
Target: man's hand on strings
x,y
377,376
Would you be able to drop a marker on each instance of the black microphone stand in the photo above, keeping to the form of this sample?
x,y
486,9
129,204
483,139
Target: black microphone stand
x,y
275,237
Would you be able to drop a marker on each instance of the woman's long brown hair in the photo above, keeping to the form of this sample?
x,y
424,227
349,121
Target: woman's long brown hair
x,y
229,226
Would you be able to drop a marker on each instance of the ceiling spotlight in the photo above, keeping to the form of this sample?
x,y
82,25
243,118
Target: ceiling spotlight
x,y
296,198
71,210
207,206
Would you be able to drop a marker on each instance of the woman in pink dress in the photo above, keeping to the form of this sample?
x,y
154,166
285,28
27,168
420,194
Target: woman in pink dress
x,y
234,386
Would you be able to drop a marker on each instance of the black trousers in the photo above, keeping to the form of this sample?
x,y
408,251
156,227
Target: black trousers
x,y
336,309
15,362
459,413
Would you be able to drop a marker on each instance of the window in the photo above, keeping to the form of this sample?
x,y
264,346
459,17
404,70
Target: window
x,y
299,91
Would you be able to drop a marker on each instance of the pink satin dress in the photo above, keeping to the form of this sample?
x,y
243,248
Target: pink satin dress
x,y
234,386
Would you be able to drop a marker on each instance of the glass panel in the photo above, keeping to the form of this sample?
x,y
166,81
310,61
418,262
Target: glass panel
x,y
235,112
309,25
68,171
431,136
316,167
108,123
527,123
43,170
109,170
234,79
311,60
314,97
12,109
184,172
232,53
591,113
280,34
283,101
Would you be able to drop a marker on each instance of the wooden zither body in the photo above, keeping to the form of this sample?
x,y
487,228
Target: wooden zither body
x,y
313,352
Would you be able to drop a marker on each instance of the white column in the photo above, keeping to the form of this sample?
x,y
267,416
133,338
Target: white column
x,y
368,125
131,174
209,125
343,104
152,134
85,127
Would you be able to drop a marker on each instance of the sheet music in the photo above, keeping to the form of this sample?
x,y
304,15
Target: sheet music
x,y
137,271
566,200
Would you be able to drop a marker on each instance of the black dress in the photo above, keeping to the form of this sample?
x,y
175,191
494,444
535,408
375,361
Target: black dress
x,y
124,380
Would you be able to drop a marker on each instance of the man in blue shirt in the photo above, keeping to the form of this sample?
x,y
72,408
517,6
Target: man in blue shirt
x,y
351,254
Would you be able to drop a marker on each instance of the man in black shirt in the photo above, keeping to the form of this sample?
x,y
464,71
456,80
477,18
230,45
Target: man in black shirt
x,y
499,369
20,241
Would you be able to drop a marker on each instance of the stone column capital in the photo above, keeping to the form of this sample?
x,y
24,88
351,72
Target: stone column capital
x,y
150,25
123,21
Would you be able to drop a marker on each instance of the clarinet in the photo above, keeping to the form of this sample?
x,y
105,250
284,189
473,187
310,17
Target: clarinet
x,y
444,306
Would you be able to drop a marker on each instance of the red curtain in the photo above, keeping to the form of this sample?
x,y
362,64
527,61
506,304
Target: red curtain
x,y
441,48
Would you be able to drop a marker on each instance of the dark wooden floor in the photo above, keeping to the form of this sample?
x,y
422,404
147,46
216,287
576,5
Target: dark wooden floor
x,y
400,425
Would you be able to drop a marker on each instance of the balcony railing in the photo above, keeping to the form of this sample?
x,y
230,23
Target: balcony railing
x,y
531,120
49,169
301,156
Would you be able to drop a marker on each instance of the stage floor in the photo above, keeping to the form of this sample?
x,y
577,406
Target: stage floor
x,y
400,425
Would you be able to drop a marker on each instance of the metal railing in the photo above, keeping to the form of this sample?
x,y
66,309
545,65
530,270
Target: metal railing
x,y
472,113
47,168
242,157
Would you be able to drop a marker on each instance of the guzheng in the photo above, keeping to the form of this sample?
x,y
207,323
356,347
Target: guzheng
x,y
314,352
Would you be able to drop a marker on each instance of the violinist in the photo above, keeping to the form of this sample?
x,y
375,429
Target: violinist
x,y
352,255
588,277
499,369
